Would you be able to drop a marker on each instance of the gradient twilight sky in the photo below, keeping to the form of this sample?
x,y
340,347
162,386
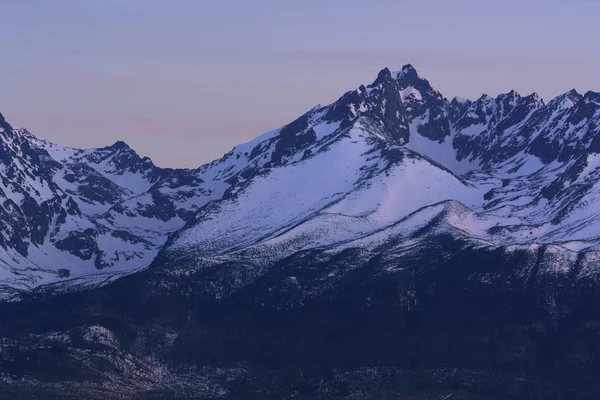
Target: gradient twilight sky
x,y
183,81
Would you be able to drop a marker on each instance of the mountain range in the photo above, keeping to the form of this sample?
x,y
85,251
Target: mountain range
x,y
390,232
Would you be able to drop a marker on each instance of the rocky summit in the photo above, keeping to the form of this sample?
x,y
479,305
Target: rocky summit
x,y
393,244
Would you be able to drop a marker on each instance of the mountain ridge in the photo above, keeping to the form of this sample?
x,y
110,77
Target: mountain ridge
x,y
392,243
113,191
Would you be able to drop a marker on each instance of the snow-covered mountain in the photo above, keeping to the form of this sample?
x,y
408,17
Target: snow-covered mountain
x,y
393,242
504,171
509,172
73,213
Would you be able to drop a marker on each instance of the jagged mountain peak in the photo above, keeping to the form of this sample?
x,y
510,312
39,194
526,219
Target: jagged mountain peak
x,y
485,98
460,100
591,96
5,127
117,149
534,97
119,145
512,94
571,95
401,107
566,100
383,75
406,72
405,76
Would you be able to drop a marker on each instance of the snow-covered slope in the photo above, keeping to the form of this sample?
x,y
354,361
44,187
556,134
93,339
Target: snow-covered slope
x,y
354,188
504,171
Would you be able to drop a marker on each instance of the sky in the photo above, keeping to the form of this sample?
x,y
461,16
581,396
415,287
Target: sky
x,y
184,81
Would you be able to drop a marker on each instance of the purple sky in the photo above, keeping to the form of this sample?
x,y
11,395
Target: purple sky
x,y
184,81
